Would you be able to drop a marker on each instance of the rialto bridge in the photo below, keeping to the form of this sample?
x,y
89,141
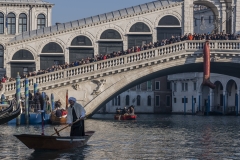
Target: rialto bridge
x,y
96,83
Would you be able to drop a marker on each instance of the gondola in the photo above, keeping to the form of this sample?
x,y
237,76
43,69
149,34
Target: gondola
x,y
39,142
125,117
56,120
6,117
9,109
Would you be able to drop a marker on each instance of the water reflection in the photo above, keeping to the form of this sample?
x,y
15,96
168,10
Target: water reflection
x,y
148,137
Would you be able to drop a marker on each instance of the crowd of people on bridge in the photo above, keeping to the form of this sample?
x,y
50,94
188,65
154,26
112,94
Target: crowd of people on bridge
x,y
151,45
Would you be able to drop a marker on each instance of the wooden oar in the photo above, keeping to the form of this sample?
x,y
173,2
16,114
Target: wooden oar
x,y
57,131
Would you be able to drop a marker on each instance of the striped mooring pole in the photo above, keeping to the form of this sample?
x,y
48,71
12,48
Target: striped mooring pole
x,y
52,101
27,101
35,88
18,92
3,99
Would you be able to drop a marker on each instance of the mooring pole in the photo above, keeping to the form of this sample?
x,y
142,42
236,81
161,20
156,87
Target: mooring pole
x,y
18,90
27,101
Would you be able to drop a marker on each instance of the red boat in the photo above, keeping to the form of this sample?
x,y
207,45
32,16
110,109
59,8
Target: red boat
x,y
125,117
39,142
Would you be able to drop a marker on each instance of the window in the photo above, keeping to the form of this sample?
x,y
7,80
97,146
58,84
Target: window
x,y
149,101
157,85
22,22
118,100
168,101
175,100
1,56
41,21
186,87
149,85
157,100
195,20
1,23
175,87
202,19
139,87
194,86
169,85
210,19
127,100
11,23
112,102
186,100
138,100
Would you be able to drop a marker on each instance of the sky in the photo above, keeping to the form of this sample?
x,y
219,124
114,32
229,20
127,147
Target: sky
x,y
69,10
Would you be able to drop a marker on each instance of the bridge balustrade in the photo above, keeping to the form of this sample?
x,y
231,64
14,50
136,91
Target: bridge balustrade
x,y
78,72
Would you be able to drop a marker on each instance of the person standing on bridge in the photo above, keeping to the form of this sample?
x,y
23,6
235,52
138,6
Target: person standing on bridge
x,y
75,112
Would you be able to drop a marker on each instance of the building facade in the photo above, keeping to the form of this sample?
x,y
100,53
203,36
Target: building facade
x,y
149,97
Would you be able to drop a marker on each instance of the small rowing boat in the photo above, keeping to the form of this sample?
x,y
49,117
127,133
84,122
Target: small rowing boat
x,y
125,117
57,120
41,142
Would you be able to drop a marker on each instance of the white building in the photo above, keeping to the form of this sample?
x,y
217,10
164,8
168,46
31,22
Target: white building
x,y
21,16
189,85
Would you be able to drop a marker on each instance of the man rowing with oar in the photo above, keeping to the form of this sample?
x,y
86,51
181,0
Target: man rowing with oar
x,y
76,112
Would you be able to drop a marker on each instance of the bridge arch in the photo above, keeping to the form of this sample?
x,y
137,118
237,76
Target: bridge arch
x,y
52,54
22,62
81,47
110,41
167,26
139,34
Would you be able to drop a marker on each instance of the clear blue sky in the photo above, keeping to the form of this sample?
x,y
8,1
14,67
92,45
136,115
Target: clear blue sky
x,y
69,10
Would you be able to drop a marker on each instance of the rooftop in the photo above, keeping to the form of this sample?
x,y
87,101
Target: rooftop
x,y
93,19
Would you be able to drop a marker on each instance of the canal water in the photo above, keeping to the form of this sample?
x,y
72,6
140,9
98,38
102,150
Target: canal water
x,y
149,137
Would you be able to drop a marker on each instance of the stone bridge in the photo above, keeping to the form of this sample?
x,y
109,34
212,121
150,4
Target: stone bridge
x,y
97,83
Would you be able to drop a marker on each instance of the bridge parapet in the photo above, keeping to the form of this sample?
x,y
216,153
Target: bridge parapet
x,y
118,64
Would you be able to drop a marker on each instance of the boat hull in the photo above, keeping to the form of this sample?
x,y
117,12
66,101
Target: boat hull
x,y
57,121
38,142
125,117
34,118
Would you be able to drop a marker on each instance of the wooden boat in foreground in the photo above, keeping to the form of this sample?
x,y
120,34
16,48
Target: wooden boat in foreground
x,y
125,117
56,120
39,142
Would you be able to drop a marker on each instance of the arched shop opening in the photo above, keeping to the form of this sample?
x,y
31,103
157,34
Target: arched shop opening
x,y
232,97
52,54
139,34
110,41
22,62
167,27
81,48
218,96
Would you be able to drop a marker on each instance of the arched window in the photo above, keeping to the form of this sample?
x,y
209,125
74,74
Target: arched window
x,y
41,21
113,102
127,100
110,34
149,101
138,100
11,23
169,21
139,27
81,41
119,100
52,47
1,56
1,23
22,22
23,55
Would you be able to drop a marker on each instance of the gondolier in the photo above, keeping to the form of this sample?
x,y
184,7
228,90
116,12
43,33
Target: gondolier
x,y
75,112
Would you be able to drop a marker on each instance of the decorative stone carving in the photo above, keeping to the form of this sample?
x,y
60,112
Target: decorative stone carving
x,y
100,84
76,86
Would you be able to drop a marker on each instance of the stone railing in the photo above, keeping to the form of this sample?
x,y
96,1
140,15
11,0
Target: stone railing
x,y
53,79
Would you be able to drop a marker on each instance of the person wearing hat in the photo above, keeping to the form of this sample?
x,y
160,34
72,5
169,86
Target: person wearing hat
x,y
75,112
